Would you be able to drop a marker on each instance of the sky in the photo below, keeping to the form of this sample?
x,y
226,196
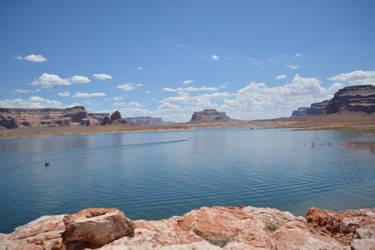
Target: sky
x,y
251,59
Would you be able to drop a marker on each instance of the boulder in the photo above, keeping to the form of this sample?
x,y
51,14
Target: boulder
x,y
97,226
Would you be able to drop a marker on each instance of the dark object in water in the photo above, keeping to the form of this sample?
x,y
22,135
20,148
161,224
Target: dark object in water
x,y
46,164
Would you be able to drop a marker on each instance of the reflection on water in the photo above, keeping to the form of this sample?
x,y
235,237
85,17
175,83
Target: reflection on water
x,y
158,175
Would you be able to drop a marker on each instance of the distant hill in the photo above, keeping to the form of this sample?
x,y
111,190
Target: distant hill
x,y
350,99
209,115
145,121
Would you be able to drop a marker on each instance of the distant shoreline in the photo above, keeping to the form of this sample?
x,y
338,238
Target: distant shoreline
x,y
359,122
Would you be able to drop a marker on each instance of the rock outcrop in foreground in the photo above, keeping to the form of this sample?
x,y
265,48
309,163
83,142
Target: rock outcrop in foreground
x,y
209,115
350,99
204,228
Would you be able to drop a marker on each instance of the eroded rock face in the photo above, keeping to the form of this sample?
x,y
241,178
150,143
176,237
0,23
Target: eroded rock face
x,y
209,115
97,226
354,98
204,228
115,118
15,118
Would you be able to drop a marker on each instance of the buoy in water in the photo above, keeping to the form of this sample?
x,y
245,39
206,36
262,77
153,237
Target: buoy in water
x,y
46,164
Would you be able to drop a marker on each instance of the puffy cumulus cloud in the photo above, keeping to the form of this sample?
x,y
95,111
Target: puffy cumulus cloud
x,y
33,58
358,77
214,58
32,102
140,68
102,76
64,94
188,81
49,80
88,95
256,100
253,101
80,79
129,86
279,77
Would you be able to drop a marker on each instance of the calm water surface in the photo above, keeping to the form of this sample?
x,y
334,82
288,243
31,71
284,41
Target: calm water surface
x,y
158,175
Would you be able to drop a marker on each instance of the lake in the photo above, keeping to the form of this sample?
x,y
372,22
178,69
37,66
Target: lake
x,y
157,175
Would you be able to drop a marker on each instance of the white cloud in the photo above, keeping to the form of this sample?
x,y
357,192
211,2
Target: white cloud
x,y
136,104
33,58
130,104
190,89
119,104
188,81
117,98
140,68
358,77
299,54
64,94
49,80
214,58
32,102
129,86
80,79
293,67
279,77
224,85
102,76
88,95
148,92
22,91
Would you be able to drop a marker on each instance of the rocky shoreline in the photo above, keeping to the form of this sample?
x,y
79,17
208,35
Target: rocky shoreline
x,y
205,228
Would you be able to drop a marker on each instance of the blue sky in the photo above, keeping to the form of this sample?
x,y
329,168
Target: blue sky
x,y
251,59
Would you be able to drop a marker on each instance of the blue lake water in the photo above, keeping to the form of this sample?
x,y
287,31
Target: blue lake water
x,y
160,174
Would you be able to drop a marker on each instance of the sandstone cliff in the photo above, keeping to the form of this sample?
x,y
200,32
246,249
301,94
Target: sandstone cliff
x,y
209,115
353,99
15,118
144,121
204,228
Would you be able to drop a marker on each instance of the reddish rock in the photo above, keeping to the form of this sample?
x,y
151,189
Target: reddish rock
x,y
97,226
345,226
204,228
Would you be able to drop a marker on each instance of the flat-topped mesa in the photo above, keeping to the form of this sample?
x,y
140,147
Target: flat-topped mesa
x,y
144,121
350,99
355,98
205,228
48,117
209,115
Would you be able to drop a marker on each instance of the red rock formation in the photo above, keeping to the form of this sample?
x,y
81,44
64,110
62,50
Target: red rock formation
x,y
15,118
204,228
115,118
97,226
